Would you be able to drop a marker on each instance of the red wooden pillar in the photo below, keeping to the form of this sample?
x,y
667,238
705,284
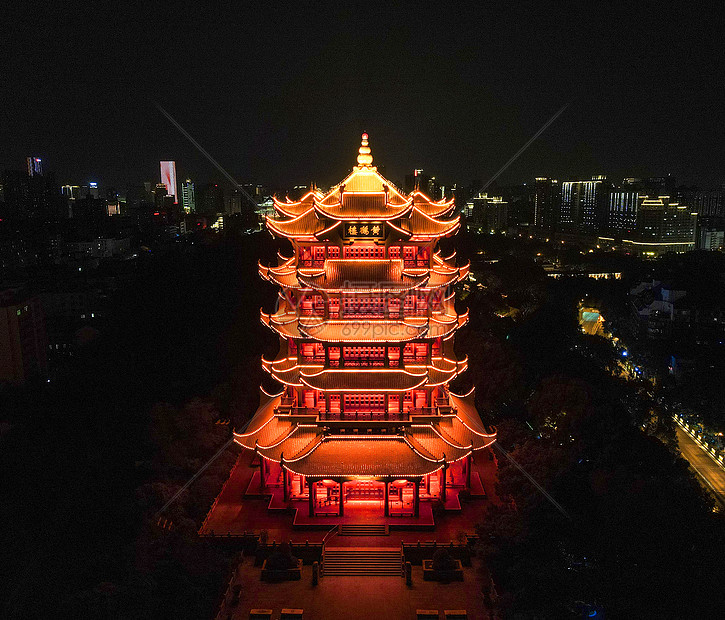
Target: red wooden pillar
x,y
443,480
342,498
312,498
416,497
285,489
386,482
469,462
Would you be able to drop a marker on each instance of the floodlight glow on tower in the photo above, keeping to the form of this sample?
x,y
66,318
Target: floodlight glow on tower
x,y
168,178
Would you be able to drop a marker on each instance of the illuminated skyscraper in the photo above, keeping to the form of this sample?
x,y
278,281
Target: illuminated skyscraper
x,y
168,178
622,215
583,206
188,196
662,226
71,192
489,214
546,202
35,166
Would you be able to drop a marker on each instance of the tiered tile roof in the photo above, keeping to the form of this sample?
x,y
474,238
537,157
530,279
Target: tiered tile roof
x,y
420,449
421,440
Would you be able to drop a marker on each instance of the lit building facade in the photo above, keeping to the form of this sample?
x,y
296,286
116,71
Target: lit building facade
x,y
662,226
711,238
168,178
489,214
622,213
366,322
188,196
583,207
35,166
547,197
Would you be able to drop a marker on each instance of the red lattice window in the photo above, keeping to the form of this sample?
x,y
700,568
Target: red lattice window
x,y
364,402
364,251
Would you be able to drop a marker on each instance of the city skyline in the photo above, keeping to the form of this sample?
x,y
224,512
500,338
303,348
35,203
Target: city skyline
x,y
642,90
214,177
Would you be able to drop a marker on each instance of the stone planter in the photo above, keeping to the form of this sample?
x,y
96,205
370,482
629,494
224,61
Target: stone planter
x,y
429,574
290,574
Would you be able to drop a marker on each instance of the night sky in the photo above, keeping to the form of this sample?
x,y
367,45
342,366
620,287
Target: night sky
x,y
280,96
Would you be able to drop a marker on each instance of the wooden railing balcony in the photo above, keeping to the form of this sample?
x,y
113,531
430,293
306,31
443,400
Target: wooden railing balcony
x,y
363,416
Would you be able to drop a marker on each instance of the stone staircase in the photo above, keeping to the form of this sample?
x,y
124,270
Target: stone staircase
x,y
363,529
361,561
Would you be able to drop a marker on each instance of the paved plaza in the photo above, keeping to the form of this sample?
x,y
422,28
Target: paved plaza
x,y
378,598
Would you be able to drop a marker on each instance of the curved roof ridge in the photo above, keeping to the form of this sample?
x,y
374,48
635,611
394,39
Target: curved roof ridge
x,y
370,171
401,210
261,418
445,436
300,441
426,435
418,447
379,455
315,441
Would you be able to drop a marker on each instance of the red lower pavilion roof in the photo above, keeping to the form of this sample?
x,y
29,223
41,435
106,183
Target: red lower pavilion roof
x,y
421,450
363,456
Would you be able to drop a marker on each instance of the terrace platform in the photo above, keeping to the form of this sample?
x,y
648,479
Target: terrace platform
x,y
243,507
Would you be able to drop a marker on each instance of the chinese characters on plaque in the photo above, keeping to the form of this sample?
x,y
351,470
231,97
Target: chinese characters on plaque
x,y
364,230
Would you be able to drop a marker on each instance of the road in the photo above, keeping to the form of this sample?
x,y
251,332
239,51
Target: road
x,y
706,467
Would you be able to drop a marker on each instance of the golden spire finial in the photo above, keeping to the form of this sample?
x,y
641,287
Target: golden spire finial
x,y
364,157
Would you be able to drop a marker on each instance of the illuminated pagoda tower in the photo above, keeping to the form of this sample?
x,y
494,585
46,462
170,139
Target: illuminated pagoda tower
x,y
366,321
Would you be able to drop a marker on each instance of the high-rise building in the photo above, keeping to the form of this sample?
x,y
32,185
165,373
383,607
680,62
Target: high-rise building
x,y
489,214
583,208
30,197
16,194
160,194
71,192
35,166
711,238
188,196
23,339
365,326
662,226
622,213
707,203
168,178
659,186
212,199
547,197
233,201
413,180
